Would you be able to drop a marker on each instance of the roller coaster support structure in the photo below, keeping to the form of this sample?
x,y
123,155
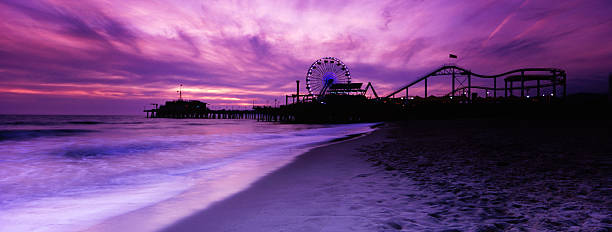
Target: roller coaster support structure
x,y
551,77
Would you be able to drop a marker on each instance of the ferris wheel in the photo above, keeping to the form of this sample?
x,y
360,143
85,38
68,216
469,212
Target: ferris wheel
x,y
324,72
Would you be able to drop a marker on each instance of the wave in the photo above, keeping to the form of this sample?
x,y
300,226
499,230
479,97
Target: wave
x,y
124,149
30,134
48,123
347,137
98,122
197,124
86,122
126,123
32,123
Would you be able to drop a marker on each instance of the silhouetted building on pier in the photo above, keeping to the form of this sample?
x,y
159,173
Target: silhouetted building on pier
x,y
332,97
179,109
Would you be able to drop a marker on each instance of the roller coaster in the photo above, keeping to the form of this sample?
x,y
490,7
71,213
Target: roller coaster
x,y
333,98
545,79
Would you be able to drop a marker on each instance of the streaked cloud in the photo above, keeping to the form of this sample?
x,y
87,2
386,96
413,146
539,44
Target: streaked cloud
x,y
236,52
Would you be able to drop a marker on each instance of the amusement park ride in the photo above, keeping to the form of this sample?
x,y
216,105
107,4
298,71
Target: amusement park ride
x,y
543,77
332,96
329,76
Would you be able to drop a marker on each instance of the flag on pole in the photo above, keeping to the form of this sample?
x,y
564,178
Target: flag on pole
x,y
452,56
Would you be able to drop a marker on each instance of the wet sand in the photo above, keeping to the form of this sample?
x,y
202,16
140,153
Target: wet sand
x,y
458,175
322,190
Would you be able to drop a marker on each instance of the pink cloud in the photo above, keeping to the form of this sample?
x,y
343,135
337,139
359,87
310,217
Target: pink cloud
x,y
235,52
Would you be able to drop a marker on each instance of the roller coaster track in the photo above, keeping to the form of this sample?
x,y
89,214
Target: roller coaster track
x,y
496,89
556,77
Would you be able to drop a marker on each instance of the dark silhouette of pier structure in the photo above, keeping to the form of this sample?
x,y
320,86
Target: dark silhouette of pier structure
x,y
186,109
333,101
523,79
197,109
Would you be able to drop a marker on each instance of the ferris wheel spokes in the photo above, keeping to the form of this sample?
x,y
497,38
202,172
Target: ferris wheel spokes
x,y
324,72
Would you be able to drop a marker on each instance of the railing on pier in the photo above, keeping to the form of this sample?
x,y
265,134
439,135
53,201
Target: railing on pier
x,y
269,114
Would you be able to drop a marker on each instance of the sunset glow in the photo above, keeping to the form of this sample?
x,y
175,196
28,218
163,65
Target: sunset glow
x,y
114,57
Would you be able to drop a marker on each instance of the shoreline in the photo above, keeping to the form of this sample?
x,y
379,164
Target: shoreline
x,y
434,175
286,198
202,195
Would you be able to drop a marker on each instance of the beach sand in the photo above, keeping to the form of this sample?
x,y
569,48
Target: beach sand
x,y
443,175
329,188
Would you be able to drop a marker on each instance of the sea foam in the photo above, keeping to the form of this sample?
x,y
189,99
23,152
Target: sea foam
x,y
82,176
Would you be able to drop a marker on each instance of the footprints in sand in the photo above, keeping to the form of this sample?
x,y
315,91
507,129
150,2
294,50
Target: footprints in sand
x,y
503,182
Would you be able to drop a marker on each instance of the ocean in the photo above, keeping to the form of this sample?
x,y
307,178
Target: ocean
x,y
99,173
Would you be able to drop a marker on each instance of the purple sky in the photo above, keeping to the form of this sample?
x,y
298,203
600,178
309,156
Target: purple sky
x,y
115,56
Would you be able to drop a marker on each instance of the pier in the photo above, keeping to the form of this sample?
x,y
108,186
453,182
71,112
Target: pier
x,y
332,97
259,113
